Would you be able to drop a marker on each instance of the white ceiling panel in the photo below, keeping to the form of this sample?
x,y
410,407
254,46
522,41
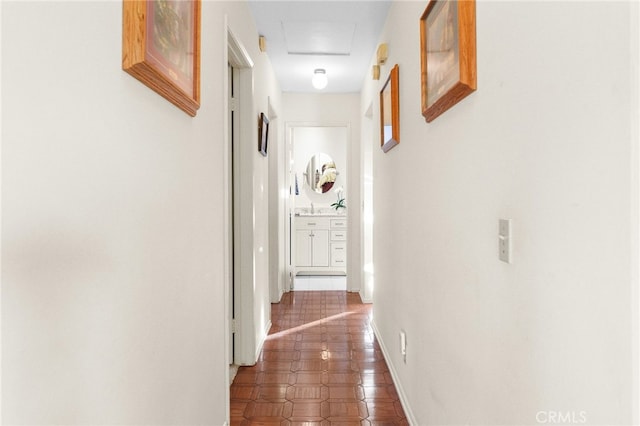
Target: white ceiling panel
x,y
321,38
338,36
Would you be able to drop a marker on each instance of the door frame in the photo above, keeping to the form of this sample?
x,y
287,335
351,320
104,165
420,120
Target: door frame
x,y
238,57
235,55
290,234
368,141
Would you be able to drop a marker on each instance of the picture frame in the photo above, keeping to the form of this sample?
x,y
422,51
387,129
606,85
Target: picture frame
x,y
161,48
390,111
263,134
447,55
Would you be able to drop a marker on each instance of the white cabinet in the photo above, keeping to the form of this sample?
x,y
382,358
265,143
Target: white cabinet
x,y
312,247
320,245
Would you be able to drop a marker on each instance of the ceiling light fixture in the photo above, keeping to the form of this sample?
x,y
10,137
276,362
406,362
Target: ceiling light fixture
x,y
319,79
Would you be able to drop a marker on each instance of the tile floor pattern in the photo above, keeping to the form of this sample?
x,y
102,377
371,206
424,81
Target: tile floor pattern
x,y
320,365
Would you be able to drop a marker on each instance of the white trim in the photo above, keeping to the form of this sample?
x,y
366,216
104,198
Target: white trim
x,y
263,338
225,220
365,299
353,257
634,201
396,381
367,142
0,210
238,55
245,336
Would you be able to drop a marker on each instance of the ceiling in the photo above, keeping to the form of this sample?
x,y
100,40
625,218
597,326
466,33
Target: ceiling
x,y
339,36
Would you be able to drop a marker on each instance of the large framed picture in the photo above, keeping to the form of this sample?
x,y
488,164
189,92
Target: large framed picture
x,y
390,111
447,54
161,48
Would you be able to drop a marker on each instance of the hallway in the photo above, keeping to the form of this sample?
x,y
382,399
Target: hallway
x,y
320,365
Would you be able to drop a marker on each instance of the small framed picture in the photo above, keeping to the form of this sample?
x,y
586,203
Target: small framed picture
x,y
263,134
390,111
447,54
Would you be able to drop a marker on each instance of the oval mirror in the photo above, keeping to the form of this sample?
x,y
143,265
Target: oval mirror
x,y
321,173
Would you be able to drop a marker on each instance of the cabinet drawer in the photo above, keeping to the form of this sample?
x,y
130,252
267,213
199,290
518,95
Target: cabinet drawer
x,y
312,223
339,235
338,254
338,223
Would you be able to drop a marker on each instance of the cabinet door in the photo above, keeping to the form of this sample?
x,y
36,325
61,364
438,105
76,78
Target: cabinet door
x,y
320,249
303,248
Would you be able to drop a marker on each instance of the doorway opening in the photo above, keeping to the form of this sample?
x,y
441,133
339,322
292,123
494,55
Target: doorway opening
x,y
318,174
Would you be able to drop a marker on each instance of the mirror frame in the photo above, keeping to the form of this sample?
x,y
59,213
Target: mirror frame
x,y
308,178
391,90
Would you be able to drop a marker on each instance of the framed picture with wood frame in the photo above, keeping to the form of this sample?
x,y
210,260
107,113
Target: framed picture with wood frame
x,y
390,111
447,54
161,48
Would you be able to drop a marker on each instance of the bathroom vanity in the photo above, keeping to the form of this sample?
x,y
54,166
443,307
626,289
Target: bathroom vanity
x,y
320,244
319,227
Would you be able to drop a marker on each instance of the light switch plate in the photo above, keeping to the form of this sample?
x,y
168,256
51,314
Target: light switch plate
x,y
504,240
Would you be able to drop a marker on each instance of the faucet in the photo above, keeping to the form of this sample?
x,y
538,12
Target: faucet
x,y
312,209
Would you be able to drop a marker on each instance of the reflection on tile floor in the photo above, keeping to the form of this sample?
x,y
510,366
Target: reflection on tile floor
x,y
320,365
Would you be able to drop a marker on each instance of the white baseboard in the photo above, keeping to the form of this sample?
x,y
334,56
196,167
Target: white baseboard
x,y
363,298
403,397
320,283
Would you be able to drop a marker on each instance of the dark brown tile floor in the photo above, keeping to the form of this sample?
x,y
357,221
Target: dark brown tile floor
x,y
320,365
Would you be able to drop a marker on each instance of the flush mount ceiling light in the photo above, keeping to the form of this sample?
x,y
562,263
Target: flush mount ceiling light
x,y
319,79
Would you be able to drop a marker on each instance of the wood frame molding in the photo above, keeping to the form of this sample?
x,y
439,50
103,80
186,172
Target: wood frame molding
x,y
158,74
390,105
466,40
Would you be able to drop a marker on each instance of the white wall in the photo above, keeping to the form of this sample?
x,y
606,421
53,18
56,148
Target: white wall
x,y
545,141
278,219
112,286
333,109
267,97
